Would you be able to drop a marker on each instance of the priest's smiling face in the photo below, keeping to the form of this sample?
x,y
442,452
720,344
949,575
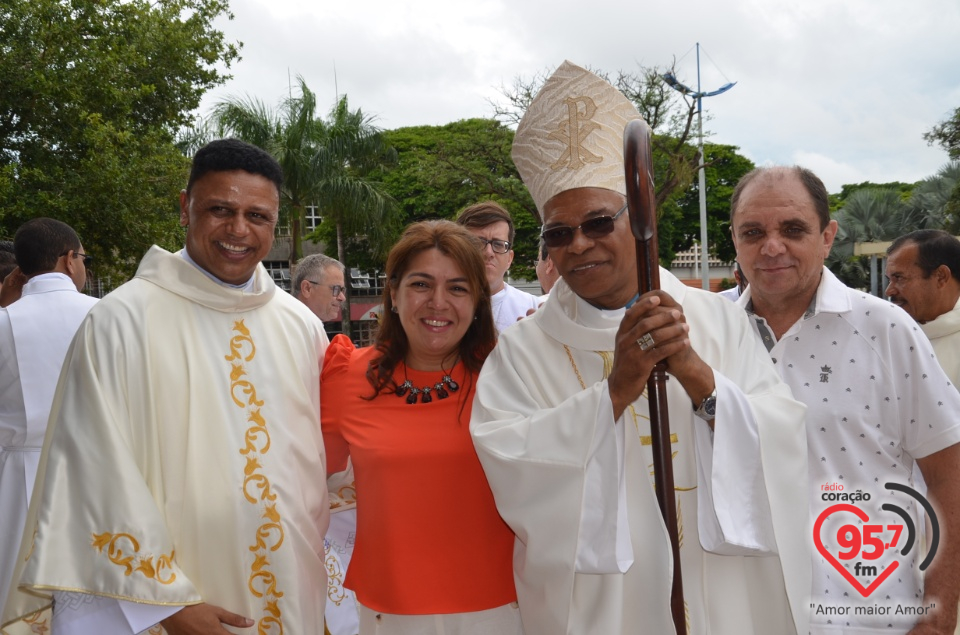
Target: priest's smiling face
x,y
602,270
230,217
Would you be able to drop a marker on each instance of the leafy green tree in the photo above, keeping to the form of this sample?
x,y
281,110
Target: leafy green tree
x,y
947,135
679,223
442,169
92,93
846,191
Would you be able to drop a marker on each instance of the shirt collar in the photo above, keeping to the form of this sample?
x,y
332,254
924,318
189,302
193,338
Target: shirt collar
x,y
831,297
246,286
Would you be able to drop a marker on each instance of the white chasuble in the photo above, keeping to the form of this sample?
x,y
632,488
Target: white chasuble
x,y
944,334
542,422
183,462
35,332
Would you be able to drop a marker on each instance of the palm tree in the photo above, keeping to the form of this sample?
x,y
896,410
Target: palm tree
x,y
328,163
292,135
350,153
930,205
873,214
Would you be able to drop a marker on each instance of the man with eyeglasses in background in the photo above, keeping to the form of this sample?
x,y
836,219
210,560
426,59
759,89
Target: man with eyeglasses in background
x,y
493,225
318,283
561,424
35,332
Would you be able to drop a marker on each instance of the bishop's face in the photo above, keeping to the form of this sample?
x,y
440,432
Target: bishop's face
x,y
602,270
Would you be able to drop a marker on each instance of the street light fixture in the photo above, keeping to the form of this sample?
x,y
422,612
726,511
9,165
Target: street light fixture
x,y
698,94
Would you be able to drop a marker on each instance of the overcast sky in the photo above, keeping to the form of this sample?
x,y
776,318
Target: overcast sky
x,y
844,87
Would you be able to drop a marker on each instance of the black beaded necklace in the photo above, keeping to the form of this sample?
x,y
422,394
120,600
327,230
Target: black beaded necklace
x,y
440,388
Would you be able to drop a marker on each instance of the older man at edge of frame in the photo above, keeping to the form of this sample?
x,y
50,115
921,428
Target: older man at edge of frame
x,y
877,405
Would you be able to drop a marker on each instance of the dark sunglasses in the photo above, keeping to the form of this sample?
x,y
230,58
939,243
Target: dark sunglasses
x,y
596,227
87,258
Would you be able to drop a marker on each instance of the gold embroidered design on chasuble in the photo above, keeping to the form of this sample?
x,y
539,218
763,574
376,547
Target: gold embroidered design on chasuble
x,y
346,495
33,541
133,561
607,357
645,439
38,622
335,591
572,131
257,490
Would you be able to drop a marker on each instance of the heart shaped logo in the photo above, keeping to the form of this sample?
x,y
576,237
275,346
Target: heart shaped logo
x,y
849,537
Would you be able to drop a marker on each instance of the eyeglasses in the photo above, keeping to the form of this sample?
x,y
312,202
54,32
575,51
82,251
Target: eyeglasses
x,y
596,227
498,246
87,258
337,289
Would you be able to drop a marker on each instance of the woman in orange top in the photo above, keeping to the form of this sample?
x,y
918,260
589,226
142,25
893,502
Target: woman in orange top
x,y
432,554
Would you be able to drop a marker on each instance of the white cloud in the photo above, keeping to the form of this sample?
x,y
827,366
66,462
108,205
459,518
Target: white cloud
x,y
845,87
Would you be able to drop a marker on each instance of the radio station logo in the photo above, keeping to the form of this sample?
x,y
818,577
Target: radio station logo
x,y
856,548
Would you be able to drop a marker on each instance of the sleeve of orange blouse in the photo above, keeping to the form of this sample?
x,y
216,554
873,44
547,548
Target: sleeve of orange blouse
x,y
335,363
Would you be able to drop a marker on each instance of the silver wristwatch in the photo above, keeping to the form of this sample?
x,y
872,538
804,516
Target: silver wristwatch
x,y
707,410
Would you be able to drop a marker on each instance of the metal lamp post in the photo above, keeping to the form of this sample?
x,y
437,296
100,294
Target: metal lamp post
x,y
699,95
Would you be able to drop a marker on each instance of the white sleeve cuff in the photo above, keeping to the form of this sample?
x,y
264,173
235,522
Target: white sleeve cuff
x,y
733,508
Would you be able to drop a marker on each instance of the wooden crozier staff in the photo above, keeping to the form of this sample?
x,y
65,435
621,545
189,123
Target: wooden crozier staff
x,y
641,202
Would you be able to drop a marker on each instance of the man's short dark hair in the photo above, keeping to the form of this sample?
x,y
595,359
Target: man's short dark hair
x,y
40,242
227,155
485,214
8,259
810,181
935,247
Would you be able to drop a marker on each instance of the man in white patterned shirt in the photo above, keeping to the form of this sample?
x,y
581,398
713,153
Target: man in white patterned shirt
x,y
877,401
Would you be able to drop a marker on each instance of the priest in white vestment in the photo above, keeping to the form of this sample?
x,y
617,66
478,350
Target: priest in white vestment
x,y
923,269
35,332
182,476
561,423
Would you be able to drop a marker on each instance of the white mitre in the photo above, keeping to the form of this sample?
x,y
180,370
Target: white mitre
x,y
572,135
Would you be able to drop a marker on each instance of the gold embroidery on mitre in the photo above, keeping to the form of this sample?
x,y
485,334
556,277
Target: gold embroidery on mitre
x,y
134,561
269,536
573,131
